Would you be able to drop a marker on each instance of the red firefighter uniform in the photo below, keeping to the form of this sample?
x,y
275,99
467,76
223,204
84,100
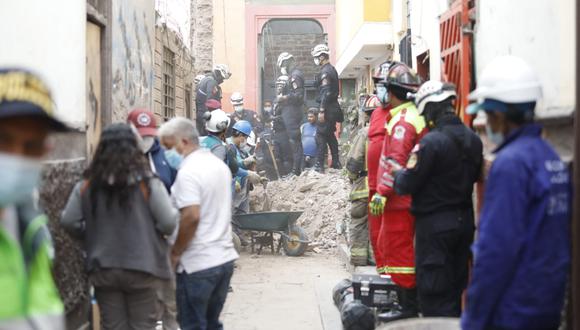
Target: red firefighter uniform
x,y
375,146
404,129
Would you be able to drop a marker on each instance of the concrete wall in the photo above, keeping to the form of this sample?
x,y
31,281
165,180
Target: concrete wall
x,y
202,16
425,32
349,18
49,38
377,10
133,24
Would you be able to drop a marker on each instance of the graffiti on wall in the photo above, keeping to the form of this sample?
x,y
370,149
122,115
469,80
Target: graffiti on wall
x,y
133,28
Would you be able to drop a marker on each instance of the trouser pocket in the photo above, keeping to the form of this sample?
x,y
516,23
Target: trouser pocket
x,y
433,274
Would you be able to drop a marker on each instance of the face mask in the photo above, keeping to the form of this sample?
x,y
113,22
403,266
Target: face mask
x,y
146,143
268,109
19,177
239,108
284,71
495,138
382,94
317,61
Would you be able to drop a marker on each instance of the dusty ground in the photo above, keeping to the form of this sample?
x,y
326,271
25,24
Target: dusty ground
x,y
284,293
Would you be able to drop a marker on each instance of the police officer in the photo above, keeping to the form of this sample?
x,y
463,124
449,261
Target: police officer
x,y
329,112
237,101
283,152
440,175
209,88
522,250
291,103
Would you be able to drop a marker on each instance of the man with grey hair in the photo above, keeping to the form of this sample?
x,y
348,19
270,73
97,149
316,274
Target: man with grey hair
x,y
203,252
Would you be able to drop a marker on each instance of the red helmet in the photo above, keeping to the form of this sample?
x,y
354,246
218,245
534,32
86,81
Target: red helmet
x,y
381,71
400,75
371,103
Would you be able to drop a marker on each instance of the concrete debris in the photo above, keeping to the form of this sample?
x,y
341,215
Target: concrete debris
x,y
322,197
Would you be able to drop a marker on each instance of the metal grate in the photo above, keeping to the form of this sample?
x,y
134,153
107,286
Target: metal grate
x,y
168,83
456,36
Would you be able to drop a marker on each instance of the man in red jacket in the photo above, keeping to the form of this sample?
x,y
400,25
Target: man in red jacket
x,y
376,137
404,128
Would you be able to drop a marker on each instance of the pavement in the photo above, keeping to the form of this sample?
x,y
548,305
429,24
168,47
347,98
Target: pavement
x,y
284,293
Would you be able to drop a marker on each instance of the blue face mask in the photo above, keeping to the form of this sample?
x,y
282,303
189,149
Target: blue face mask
x,y
19,177
382,94
495,138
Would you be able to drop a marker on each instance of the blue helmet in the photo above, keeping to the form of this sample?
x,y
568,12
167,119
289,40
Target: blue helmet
x,y
243,127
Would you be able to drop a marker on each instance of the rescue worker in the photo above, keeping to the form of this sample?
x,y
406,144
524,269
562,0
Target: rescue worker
x,y
198,79
404,129
212,105
329,112
291,103
439,176
522,250
237,101
29,298
376,138
244,177
356,166
282,150
216,124
308,133
209,88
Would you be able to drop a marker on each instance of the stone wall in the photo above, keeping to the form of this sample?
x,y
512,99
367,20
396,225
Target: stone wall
x,y
183,67
202,34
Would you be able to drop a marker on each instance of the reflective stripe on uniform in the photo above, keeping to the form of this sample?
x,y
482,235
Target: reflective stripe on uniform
x,y
400,270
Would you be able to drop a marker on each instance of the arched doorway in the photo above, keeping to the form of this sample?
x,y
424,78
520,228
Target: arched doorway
x,y
296,36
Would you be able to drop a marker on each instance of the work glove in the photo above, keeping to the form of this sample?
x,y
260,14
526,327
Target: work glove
x,y
249,161
238,187
254,178
377,204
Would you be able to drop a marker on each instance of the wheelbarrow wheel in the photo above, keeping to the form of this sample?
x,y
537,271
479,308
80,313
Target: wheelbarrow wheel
x,y
237,242
295,248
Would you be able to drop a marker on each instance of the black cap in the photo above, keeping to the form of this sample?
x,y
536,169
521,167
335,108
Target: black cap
x,y
23,94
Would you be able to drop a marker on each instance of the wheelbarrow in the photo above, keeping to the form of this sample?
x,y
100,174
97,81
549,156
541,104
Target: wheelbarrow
x,y
293,239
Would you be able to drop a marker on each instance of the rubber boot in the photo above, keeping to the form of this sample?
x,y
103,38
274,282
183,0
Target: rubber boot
x,y
407,307
336,163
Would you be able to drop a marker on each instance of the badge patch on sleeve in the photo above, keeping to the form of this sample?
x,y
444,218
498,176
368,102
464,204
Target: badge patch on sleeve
x,y
399,133
294,85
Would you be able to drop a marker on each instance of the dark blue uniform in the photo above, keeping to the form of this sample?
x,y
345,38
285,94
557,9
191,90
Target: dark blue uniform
x,y
208,88
328,89
440,175
292,111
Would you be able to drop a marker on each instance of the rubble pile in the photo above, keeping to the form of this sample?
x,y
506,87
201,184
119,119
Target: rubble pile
x,y
322,197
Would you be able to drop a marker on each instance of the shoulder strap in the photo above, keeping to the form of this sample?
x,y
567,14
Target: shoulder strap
x,y
144,190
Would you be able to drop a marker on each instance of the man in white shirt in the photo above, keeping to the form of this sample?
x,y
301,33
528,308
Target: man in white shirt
x,y
203,253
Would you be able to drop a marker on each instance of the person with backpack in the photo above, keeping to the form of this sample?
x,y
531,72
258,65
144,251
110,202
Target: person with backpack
x,y
122,213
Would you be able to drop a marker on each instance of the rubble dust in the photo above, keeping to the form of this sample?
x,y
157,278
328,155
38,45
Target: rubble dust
x,y
322,197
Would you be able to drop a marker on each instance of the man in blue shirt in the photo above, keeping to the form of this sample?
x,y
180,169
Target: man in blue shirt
x,y
522,251
308,132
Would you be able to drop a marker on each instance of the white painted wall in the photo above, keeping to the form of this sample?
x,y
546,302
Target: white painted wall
x,y
49,38
425,32
541,32
176,14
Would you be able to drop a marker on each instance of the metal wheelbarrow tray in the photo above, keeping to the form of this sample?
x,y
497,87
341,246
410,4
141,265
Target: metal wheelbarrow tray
x,y
293,238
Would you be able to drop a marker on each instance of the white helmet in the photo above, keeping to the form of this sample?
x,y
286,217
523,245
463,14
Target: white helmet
x,y
433,91
222,70
508,79
237,98
217,121
283,57
198,78
319,50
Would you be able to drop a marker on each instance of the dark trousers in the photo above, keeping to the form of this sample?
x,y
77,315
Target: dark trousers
x,y
325,139
283,152
127,299
201,297
442,252
200,123
295,139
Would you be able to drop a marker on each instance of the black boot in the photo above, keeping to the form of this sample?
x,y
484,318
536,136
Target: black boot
x,y
407,307
336,163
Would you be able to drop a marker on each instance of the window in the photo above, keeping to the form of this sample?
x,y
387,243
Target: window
x,y
168,83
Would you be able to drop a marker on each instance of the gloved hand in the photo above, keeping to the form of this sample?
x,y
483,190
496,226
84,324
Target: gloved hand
x,y
238,187
377,204
264,180
253,177
249,161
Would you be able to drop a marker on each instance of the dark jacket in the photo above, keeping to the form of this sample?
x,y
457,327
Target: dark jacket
x,y
442,168
327,82
293,107
208,88
164,171
522,250
247,115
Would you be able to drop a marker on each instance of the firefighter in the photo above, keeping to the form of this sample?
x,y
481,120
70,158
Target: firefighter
x,y
237,101
329,112
404,129
356,166
291,103
522,250
440,175
209,88
376,137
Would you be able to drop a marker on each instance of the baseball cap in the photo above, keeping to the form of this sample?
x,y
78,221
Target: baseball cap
x,y
213,104
144,121
23,94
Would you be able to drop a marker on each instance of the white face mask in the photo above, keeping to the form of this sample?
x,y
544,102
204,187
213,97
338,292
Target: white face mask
x,y
146,143
19,177
495,138
268,109
317,61
239,108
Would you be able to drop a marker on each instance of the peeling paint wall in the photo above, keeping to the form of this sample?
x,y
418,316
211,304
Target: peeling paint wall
x,y
133,46
202,34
